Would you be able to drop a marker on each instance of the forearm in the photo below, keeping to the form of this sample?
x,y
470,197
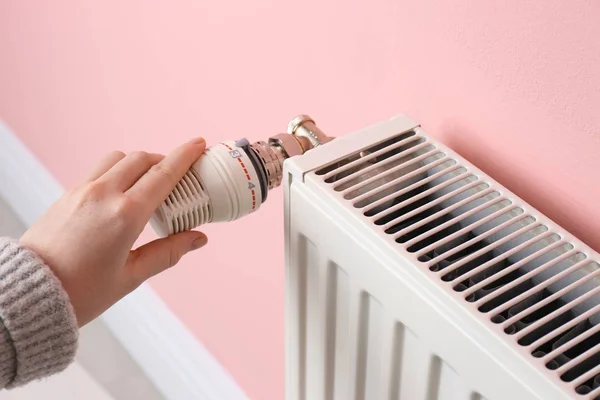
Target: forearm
x,y
38,328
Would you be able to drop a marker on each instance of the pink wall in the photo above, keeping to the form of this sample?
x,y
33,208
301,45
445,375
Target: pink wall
x,y
514,86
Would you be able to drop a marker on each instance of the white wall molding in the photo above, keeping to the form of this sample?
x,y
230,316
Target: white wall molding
x,y
178,364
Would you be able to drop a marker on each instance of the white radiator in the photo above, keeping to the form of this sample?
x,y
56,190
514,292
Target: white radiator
x,y
412,275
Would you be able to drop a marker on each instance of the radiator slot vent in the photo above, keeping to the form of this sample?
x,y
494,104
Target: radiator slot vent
x,y
427,177
531,283
373,149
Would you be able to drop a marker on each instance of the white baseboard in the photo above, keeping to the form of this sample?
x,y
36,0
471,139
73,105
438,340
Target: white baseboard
x,y
172,358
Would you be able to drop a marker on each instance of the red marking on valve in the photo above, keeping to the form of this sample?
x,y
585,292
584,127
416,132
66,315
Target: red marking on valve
x,y
247,176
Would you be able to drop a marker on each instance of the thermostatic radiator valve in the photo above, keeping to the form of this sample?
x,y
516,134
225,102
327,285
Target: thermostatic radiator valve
x,y
233,178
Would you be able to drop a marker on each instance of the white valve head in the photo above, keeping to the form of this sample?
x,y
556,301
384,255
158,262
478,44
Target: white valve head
x,y
233,179
226,183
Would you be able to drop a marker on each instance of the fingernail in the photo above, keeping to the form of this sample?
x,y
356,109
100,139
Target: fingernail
x,y
199,242
198,141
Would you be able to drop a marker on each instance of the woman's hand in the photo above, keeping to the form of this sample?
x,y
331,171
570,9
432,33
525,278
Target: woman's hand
x,y
87,236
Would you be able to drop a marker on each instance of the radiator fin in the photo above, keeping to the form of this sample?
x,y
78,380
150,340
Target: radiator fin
x,y
393,381
342,336
532,284
336,309
364,327
416,380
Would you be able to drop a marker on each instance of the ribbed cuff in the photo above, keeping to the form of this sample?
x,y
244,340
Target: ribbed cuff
x,y
38,328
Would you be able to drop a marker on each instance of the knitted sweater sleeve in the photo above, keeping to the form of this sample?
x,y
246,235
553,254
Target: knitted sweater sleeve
x,y
38,328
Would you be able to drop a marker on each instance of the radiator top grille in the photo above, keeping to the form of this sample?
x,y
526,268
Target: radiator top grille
x,y
524,277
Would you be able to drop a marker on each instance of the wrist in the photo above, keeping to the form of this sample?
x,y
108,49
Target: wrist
x,y
39,323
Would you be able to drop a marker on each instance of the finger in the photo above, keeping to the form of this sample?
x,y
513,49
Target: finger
x,y
127,171
106,163
161,254
154,187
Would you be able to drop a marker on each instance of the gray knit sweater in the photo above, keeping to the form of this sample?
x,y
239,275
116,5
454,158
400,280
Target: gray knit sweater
x,y
38,328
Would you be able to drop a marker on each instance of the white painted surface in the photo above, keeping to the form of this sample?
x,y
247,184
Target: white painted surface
x,y
105,358
73,384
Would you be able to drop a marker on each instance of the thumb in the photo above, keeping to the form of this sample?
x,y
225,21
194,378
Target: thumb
x,y
156,256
